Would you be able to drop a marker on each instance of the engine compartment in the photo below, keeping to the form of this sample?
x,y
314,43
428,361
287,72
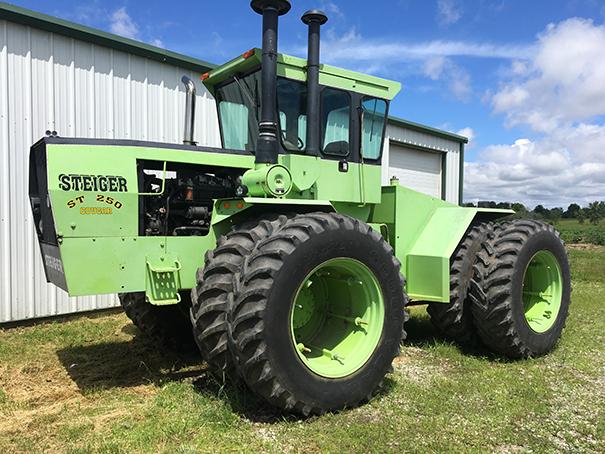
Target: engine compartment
x,y
184,200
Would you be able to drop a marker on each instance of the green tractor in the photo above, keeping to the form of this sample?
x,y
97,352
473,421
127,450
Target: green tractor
x,y
280,254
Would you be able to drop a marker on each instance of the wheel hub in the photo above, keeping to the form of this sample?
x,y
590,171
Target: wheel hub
x,y
542,291
304,307
337,317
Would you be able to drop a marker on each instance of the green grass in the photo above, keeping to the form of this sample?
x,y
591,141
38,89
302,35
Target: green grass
x,y
574,232
92,384
568,224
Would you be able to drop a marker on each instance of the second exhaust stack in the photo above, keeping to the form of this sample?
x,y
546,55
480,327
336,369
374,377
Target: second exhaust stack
x,y
314,19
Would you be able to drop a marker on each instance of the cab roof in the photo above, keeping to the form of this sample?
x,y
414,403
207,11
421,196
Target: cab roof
x,y
295,68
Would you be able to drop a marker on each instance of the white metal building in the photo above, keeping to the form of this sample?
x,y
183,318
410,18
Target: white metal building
x,y
425,159
81,82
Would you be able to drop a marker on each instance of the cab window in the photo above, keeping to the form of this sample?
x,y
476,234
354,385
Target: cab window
x,y
239,110
374,120
234,117
336,119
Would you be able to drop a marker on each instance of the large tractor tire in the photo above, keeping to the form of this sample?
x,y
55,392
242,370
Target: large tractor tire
x,y
455,319
318,314
521,290
168,326
215,280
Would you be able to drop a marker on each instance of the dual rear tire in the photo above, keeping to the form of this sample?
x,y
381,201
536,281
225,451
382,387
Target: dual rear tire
x,y
510,289
315,315
216,281
166,326
521,290
455,320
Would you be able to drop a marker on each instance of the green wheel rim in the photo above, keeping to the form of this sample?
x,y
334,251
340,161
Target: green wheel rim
x,y
337,317
542,291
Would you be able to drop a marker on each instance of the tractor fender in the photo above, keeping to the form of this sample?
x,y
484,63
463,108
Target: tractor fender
x,y
229,212
428,260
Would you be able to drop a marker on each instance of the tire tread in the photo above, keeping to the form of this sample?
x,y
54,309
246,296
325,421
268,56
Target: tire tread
x,y
491,286
168,326
455,320
254,283
215,282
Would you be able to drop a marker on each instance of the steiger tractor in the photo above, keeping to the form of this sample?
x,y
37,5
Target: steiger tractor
x,y
280,254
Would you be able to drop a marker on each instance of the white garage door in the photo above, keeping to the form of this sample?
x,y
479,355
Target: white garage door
x,y
418,170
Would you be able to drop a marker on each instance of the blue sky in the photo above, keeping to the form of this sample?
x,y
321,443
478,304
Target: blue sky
x,y
523,79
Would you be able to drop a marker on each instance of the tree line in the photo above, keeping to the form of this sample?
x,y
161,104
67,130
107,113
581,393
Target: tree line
x,y
593,213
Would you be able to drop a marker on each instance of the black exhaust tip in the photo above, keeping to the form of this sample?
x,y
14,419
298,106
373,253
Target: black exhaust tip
x,y
282,6
314,15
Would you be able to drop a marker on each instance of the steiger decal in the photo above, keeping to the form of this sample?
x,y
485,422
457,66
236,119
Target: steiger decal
x,y
102,183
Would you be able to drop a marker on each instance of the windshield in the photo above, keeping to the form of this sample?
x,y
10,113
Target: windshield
x,y
239,110
292,106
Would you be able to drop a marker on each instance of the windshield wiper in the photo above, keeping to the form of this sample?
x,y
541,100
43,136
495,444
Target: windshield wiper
x,y
246,91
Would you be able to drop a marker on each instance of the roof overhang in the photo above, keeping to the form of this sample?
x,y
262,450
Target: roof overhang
x,y
427,129
296,68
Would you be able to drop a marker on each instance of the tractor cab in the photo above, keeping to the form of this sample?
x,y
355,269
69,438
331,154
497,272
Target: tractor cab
x,y
272,104
352,108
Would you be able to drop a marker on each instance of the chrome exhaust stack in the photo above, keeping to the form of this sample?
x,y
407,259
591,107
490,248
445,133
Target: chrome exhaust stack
x,y
189,111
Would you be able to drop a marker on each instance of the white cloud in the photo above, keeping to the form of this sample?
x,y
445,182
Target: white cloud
x,y
558,169
519,67
559,94
448,12
564,82
469,133
433,67
352,47
331,9
460,83
434,59
122,24
217,39
457,79
86,13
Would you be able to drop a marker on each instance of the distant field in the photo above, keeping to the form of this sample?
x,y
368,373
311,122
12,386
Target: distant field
x,y
93,384
574,232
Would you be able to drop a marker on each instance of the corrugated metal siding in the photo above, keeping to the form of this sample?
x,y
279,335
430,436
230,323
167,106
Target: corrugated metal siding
x,y
426,140
51,82
422,139
452,176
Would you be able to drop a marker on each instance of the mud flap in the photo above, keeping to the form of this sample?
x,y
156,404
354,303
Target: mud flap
x,y
53,265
